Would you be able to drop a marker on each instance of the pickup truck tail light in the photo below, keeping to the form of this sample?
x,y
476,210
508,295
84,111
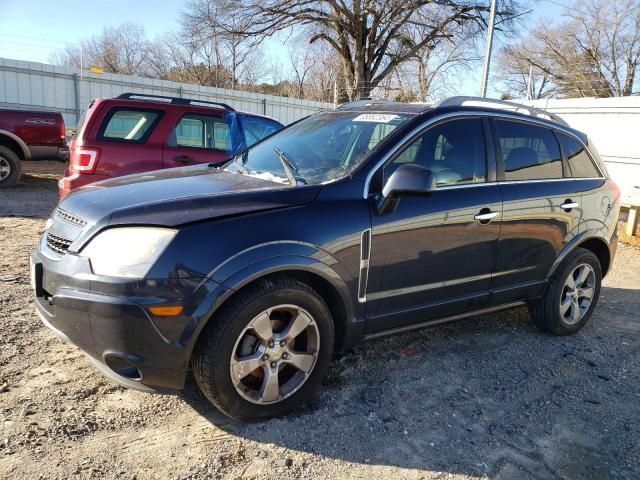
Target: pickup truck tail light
x,y
83,159
63,132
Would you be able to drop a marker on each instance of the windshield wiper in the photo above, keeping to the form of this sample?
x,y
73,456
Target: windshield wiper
x,y
288,165
240,164
242,155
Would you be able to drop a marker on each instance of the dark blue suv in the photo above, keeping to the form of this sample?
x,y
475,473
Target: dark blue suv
x,y
367,220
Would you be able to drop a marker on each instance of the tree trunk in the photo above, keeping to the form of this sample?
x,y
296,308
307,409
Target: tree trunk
x,y
422,80
629,78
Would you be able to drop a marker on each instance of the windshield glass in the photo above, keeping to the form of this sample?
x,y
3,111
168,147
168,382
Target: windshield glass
x,y
319,149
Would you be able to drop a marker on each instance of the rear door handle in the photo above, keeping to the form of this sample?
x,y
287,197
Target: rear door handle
x,y
183,159
485,216
568,205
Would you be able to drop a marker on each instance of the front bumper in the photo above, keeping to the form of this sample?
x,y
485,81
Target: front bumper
x,y
115,329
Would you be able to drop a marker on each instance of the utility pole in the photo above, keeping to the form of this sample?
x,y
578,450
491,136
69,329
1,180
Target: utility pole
x,y
487,50
530,84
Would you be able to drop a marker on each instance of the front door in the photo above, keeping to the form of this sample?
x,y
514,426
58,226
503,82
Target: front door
x,y
433,256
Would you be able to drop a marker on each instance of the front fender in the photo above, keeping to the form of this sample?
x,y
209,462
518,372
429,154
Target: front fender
x,y
257,262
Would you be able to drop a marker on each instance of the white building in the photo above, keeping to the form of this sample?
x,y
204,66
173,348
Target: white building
x,y
614,126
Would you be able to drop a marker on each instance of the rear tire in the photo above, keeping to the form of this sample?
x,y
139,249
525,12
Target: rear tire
x,y
265,352
571,296
10,168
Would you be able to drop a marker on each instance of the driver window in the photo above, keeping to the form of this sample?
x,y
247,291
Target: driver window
x,y
454,151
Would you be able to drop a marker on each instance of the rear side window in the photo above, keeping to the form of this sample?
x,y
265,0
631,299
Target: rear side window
x,y
201,131
256,128
580,165
529,152
128,125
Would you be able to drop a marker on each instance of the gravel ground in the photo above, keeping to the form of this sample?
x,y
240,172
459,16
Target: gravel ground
x,y
485,397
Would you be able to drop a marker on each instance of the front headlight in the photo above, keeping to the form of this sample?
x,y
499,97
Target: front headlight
x,y
127,252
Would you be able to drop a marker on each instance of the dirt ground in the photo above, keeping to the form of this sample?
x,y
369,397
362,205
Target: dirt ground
x,y
488,397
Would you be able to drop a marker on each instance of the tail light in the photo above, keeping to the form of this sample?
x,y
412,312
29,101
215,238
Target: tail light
x,y
615,189
63,132
83,159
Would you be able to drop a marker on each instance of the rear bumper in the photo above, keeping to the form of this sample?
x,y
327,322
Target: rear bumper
x,y
117,332
49,152
71,181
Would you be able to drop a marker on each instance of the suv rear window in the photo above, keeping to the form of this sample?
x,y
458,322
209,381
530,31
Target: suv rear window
x,y
201,131
529,152
128,125
580,165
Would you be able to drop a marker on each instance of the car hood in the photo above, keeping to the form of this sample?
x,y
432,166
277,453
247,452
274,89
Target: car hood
x,y
177,196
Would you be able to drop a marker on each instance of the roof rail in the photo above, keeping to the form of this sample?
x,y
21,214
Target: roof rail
x,y
501,104
358,102
176,100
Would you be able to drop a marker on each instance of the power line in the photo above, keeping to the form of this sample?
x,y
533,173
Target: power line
x,y
567,7
47,40
31,45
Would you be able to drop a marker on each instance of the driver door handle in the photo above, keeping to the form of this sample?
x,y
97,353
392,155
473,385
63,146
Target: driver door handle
x,y
485,216
568,205
183,159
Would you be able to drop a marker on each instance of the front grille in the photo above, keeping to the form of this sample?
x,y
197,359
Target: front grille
x,y
71,218
58,244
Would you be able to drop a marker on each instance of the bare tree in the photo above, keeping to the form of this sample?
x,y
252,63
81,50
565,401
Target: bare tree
x,y
122,49
234,49
367,35
302,62
513,68
595,51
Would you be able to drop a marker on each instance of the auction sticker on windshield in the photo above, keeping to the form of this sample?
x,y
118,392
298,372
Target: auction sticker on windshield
x,y
375,117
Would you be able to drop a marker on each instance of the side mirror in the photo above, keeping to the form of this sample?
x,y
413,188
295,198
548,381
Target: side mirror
x,y
408,179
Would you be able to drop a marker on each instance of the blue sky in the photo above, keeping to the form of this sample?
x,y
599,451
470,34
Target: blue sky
x,y
33,29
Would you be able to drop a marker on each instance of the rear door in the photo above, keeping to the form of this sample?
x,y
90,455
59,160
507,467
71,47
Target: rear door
x,y
197,138
541,209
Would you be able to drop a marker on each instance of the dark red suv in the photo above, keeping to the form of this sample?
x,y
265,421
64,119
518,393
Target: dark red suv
x,y
135,133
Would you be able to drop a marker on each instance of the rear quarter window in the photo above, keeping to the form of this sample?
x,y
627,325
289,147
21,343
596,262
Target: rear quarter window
x,y
128,124
578,160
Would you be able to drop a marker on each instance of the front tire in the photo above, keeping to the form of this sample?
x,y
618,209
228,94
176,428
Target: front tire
x,y
10,168
571,296
265,352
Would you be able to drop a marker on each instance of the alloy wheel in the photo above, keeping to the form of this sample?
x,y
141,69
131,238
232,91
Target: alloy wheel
x,y
275,354
577,293
5,168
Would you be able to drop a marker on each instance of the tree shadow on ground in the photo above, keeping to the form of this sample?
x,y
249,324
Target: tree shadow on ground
x,y
485,396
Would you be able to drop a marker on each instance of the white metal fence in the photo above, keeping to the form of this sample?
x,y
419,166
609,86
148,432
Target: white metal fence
x,y
614,126
38,86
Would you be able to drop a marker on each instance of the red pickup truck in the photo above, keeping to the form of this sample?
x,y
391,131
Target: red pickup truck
x,y
27,135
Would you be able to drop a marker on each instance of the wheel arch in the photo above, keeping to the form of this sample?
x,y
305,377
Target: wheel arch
x,y
600,249
594,243
15,144
321,277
